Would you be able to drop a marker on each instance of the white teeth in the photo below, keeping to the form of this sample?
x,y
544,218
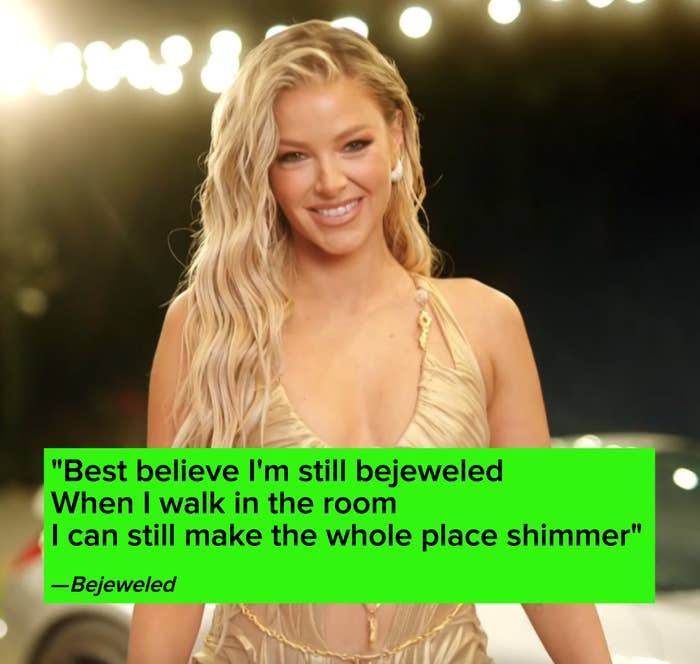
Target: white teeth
x,y
339,211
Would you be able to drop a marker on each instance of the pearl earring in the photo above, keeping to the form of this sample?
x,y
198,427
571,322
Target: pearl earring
x,y
397,173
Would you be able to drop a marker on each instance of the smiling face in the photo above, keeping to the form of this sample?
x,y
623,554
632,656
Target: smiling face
x,y
331,176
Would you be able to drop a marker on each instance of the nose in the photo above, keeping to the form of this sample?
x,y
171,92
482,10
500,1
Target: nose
x,y
330,178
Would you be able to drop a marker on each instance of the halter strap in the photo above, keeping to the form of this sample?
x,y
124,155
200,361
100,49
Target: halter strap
x,y
457,343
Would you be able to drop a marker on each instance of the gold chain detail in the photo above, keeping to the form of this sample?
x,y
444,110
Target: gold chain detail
x,y
424,320
347,657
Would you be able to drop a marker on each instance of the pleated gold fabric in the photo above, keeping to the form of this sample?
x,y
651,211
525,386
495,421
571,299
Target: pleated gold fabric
x,y
450,412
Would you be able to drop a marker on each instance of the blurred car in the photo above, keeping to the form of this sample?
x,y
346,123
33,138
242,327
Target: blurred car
x,y
665,632
662,633
32,632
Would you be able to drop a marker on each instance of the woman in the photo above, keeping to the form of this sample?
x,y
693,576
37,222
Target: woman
x,y
310,319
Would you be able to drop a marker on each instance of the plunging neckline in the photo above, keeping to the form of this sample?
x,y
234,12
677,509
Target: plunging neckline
x,y
426,358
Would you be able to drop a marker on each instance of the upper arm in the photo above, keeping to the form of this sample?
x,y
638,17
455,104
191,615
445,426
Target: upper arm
x,y
516,412
166,374
165,633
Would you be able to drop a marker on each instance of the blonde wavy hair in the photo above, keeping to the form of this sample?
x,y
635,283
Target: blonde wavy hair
x,y
236,284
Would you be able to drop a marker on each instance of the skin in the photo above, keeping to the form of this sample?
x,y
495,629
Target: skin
x,y
351,363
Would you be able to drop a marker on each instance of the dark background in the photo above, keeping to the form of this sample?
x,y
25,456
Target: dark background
x,y
561,158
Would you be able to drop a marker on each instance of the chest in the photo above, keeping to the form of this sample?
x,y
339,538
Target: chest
x,y
355,383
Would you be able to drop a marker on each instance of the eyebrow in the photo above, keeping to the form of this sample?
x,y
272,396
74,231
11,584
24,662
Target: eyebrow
x,y
341,135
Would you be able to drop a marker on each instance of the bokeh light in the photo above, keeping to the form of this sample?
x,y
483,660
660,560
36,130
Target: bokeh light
x,y
415,22
103,72
133,60
131,53
96,52
226,43
58,70
599,4
167,79
685,478
61,70
176,50
504,11
48,80
219,72
352,23
31,301
143,76
68,53
36,67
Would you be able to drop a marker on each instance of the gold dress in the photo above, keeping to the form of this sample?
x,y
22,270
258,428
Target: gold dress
x,y
450,412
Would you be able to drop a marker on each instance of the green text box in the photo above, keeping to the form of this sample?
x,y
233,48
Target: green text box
x,y
491,525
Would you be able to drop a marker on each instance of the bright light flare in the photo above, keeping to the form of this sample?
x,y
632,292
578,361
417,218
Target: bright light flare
x,y
68,53
352,23
219,73
19,42
226,43
599,4
504,11
167,79
14,83
49,81
63,70
176,50
18,28
17,72
415,22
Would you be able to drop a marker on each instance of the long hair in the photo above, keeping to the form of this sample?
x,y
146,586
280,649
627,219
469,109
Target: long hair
x,y
236,284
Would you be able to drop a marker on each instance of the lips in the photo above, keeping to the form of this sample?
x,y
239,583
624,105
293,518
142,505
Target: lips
x,y
335,215
326,208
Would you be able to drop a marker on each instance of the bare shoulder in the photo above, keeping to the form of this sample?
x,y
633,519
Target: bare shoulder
x,y
496,330
486,313
474,299
167,372
177,311
170,344
489,318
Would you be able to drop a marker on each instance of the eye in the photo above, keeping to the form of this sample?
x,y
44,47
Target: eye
x,y
356,146
290,157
